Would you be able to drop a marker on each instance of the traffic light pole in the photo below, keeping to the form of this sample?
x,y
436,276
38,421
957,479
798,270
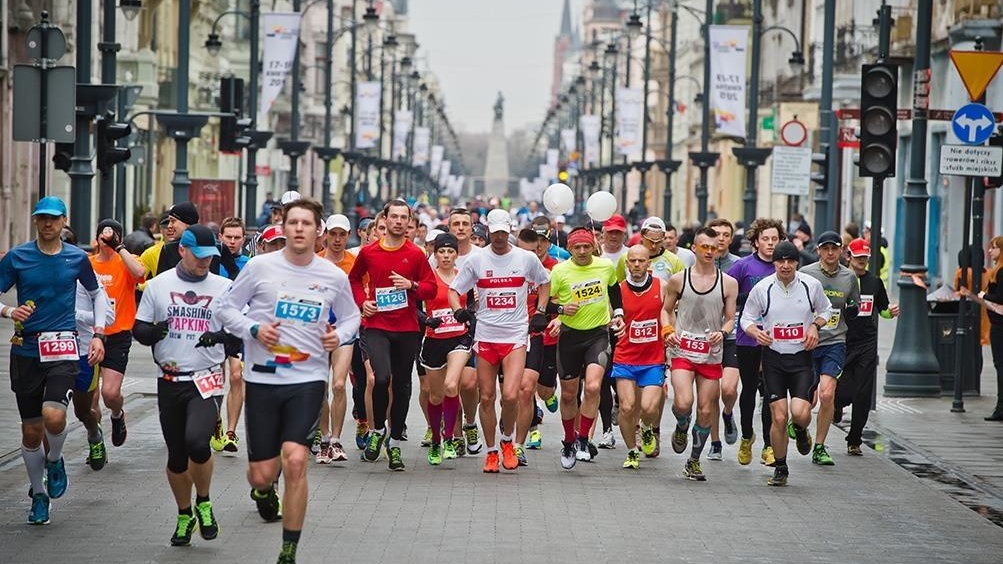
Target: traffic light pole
x,y
108,47
81,169
251,178
827,119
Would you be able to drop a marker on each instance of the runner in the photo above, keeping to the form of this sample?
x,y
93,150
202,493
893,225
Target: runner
x,y
585,289
700,303
791,307
614,233
399,275
178,308
841,286
85,402
639,358
729,360
502,275
272,239
765,234
44,358
119,273
289,296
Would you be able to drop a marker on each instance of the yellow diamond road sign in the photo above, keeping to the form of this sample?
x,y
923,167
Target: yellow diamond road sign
x,y
977,69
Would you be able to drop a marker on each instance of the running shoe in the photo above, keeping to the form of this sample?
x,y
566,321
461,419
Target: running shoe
x,y
269,505
509,459
183,531
460,447
568,454
520,453
552,403
216,440
324,456
435,454
208,527
767,458
491,463
803,441
647,441
745,450
821,456
317,440
730,431
593,451
373,446
230,441
780,474
39,514
288,553
658,445
679,440
537,416
426,441
692,471
790,430
535,441
854,450
474,444
582,453
448,449
715,452
338,453
608,441
57,480
361,430
97,455
633,461
394,460
118,430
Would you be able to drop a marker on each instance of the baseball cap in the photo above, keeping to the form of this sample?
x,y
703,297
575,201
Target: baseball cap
x,y
479,231
498,223
615,223
185,212
289,196
653,223
786,251
364,223
165,219
830,238
272,233
50,205
560,219
446,240
338,221
200,241
432,234
860,248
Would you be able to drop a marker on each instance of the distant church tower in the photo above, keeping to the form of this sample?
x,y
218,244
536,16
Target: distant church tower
x,y
565,44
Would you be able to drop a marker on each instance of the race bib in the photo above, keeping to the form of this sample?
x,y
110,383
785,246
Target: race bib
x,y
833,320
209,383
390,299
694,346
788,332
866,306
587,292
58,345
297,309
449,323
643,331
501,300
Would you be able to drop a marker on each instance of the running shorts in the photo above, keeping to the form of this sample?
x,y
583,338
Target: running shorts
x,y
87,378
787,374
116,351
729,358
36,383
644,376
829,359
708,371
577,349
542,359
434,352
495,353
279,413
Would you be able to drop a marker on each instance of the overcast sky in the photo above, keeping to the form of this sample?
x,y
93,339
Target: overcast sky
x,y
479,47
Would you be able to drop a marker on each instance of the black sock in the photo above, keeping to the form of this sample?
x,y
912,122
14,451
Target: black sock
x,y
715,444
185,511
199,499
781,462
290,536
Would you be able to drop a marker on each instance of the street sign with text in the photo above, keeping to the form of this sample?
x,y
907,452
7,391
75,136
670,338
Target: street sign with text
x,y
791,170
968,160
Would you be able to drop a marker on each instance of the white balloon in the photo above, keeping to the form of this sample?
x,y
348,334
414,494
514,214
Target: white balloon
x,y
558,199
601,205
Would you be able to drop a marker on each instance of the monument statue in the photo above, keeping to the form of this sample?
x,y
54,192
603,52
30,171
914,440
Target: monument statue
x,y
496,172
499,107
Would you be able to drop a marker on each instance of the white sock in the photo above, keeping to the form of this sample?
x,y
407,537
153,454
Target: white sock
x,y
492,449
335,439
55,444
506,438
391,443
34,463
326,439
121,412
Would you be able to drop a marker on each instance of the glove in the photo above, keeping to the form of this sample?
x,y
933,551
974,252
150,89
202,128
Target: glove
x,y
463,315
210,339
161,330
851,310
433,322
537,323
114,241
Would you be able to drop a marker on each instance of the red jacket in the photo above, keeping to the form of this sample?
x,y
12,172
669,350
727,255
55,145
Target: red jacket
x,y
397,309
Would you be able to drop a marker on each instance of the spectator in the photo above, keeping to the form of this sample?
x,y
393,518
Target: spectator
x,y
266,209
852,229
882,255
558,236
142,238
806,247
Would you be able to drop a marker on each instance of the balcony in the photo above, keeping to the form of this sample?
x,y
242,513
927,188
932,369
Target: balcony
x,y
733,12
976,10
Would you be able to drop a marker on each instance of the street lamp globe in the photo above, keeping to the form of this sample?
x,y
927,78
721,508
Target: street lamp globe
x,y
390,41
594,68
213,44
796,61
610,53
405,64
130,8
371,19
634,26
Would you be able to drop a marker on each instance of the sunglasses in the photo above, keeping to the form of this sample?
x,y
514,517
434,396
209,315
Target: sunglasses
x,y
705,248
653,241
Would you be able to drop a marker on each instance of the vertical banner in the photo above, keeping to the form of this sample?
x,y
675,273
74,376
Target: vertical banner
x,y
436,161
544,172
553,155
402,127
421,139
444,173
459,186
629,114
569,138
590,138
367,114
728,57
282,31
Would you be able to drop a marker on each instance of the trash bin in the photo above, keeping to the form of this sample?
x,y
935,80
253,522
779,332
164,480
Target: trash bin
x,y
943,336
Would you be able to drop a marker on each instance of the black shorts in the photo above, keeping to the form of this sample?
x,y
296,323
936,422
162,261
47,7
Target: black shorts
x,y
116,351
729,358
787,374
279,413
36,384
578,349
434,351
543,359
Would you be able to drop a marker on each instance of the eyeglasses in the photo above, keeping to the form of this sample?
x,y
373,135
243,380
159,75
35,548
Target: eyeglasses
x,y
653,241
705,248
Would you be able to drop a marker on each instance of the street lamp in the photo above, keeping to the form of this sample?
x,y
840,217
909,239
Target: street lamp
x,y
634,25
213,44
130,8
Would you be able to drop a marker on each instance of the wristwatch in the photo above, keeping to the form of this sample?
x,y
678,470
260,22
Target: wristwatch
x,y
254,330
101,336
560,310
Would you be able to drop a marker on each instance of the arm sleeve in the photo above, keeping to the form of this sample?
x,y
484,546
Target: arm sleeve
x,y
345,310
615,298
89,281
355,278
754,308
881,301
84,315
854,298
232,305
146,333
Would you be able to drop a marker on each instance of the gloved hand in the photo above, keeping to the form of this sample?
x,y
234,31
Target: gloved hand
x,y
113,241
162,330
538,322
433,322
851,310
210,339
463,315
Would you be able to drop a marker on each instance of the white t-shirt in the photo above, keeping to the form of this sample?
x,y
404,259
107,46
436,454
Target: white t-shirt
x,y
190,309
786,312
502,283
304,299
460,259
615,257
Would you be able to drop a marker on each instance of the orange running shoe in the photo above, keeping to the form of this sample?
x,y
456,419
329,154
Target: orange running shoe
x,y
491,463
509,460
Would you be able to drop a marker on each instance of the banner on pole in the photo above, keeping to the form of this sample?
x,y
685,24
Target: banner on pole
x,y
367,114
402,127
282,31
421,138
444,173
590,138
629,114
569,138
436,161
728,57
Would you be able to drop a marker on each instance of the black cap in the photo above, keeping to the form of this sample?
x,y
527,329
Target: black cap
x,y
479,231
165,218
804,228
830,238
116,226
447,240
786,250
185,212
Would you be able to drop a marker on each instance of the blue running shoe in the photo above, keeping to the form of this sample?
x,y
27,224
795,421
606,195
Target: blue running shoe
x,y
57,480
39,514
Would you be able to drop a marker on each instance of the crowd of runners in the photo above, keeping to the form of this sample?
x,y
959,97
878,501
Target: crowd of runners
x,y
506,317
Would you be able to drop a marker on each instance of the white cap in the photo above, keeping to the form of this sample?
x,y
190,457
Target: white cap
x,y
653,222
432,234
340,221
560,219
290,196
499,224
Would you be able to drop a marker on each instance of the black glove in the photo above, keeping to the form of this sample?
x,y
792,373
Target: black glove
x,y
114,241
851,310
463,315
433,322
162,330
538,322
210,339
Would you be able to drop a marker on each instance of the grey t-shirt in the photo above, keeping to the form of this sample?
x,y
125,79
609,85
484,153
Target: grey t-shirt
x,y
841,288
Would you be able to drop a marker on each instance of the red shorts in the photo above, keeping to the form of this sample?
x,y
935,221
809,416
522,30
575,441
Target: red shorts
x,y
709,371
494,353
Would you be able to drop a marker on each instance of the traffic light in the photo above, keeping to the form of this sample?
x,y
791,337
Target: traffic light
x,y
231,101
822,160
878,125
108,132
995,181
61,159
